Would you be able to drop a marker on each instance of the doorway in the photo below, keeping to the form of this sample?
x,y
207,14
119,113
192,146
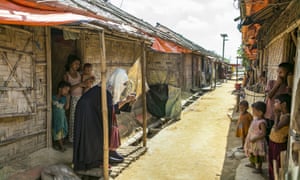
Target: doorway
x,y
61,48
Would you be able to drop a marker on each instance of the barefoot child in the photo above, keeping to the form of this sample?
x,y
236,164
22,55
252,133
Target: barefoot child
x,y
280,130
244,122
59,119
88,76
255,145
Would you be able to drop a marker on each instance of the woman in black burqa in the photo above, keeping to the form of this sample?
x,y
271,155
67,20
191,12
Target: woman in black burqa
x,y
88,129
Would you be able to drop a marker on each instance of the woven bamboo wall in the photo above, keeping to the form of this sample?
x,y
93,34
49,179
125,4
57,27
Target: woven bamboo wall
x,y
120,53
163,68
187,72
274,58
23,134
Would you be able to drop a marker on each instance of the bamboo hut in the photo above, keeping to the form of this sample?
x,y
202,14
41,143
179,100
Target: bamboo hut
x,y
33,54
271,33
34,51
170,56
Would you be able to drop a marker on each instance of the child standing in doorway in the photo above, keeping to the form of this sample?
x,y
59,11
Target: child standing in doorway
x,y
244,122
88,76
59,119
255,145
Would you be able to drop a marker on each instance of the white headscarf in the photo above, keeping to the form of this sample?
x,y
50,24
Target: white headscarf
x,y
117,83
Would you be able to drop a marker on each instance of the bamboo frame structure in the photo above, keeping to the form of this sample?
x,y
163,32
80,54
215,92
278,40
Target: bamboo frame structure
x,y
104,108
49,86
144,94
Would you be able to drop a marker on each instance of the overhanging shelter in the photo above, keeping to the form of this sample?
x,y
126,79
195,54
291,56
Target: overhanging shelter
x,y
27,43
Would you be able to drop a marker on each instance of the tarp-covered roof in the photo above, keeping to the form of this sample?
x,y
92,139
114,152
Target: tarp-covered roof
x,y
51,13
96,12
254,14
182,40
32,13
162,41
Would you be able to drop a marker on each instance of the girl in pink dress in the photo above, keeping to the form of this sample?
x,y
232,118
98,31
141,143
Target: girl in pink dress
x,y
255,145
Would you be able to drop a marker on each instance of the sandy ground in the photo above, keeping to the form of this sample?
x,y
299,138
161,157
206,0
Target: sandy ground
x,y
194,148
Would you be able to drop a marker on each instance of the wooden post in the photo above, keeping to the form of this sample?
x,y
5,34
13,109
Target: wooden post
x,y
49,86
215,67
104,108
144,94
194,76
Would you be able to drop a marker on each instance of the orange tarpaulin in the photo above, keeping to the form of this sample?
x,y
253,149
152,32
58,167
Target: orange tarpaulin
x,y
253,6
11,13
168,47
249,33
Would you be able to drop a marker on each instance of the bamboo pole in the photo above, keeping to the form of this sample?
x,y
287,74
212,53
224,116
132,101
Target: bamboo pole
x,y
144,95
104,108
49,85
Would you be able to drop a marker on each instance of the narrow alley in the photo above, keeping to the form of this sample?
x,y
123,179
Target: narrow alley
x,y
192,148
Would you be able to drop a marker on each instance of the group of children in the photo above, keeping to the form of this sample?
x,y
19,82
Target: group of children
x,y
68,93
264,134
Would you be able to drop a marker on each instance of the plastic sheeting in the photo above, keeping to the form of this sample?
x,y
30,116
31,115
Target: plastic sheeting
x,y
24,12
135,75
15,13
58,172
168,47
157,98
173,105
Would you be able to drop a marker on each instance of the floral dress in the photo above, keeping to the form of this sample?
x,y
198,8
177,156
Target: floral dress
x,y
257,148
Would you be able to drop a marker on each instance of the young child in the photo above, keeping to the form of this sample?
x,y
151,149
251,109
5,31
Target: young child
x,y
255,145
59,119
88,76
244,122
280,130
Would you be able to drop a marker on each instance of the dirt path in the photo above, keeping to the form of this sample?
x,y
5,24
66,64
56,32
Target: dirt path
x,y
193,148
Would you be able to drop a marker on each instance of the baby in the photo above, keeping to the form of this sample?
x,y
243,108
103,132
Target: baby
x,y
87,76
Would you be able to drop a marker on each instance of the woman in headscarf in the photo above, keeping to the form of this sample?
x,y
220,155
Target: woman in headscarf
x,y
88,137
